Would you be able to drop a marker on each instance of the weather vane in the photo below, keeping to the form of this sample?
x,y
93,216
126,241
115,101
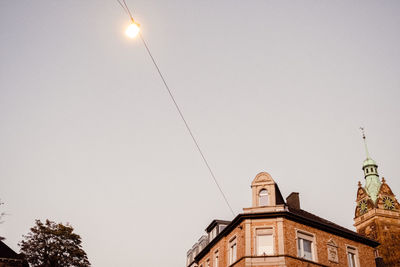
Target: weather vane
x,y
363,132
365,141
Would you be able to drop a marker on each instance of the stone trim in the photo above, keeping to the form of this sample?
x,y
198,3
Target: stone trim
x,y
277,256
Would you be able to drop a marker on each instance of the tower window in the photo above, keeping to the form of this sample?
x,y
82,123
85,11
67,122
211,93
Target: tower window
x,y
366,170
263,197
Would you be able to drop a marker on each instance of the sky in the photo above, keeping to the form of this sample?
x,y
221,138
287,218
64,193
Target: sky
x,y
89,135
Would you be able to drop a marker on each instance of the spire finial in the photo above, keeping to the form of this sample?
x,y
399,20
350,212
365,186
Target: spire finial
x,y
365,141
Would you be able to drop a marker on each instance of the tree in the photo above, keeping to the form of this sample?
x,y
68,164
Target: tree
x,y
53,245
1,217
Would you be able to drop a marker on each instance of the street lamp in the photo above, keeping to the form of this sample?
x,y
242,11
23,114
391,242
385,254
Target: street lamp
x,y
133,29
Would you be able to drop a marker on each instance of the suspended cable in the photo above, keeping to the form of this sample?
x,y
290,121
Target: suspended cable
x,y
127,8
179,110
124,8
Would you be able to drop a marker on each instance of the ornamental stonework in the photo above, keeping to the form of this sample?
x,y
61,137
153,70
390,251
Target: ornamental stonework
x,y
332,251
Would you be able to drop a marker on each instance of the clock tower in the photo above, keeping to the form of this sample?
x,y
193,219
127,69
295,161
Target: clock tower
x,y
377,214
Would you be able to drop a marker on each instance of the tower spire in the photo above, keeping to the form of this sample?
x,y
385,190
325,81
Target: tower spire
x,y
370,168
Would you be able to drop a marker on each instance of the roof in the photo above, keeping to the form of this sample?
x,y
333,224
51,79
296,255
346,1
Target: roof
x,y
9,255
369,162
7,252
317,219
216,222
278,196
297,215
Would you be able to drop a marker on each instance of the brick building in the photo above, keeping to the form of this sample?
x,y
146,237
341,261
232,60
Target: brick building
x,y
275,232
377,214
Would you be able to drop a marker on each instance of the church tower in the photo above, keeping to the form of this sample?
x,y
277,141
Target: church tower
x,y
377,214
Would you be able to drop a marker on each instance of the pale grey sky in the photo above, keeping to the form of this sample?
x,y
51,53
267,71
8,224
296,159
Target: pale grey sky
x,y
89,135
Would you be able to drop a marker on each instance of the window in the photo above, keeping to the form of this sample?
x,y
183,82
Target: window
x,y
216,259
367,170
305,246
212,234
263,197
352,257
208,263
264,242
232,251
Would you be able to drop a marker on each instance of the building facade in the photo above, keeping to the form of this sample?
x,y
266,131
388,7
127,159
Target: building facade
x,y
275,232
377,214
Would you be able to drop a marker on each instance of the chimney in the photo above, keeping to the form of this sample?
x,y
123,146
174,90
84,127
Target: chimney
x,y
293,201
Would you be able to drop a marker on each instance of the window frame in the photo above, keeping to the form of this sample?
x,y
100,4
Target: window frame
x,y
269,230
232,250
216,258
304,235
212,234
352,250
266,196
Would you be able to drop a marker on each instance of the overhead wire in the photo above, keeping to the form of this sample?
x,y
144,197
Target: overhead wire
x,y
126,8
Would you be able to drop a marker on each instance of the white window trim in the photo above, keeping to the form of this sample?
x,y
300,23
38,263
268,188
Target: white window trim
x,y
215,255
212,234
307,236
231,240
354,249
267,197
269,227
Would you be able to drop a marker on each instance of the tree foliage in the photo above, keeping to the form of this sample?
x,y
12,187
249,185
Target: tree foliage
x,y
53,245
2,213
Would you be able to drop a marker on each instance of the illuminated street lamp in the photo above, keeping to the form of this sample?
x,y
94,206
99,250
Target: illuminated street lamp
x,y
133,29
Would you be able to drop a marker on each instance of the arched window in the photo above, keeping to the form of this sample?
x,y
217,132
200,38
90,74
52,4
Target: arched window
x,y
263,197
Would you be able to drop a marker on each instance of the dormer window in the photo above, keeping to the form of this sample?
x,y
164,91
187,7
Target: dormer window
x,y
265,192
212,234
263,197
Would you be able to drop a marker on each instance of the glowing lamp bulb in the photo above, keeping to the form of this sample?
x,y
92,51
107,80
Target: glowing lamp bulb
x,y
132,30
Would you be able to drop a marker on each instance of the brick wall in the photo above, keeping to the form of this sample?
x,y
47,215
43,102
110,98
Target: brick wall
x,y
222,246
287,254
365,253
387,232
